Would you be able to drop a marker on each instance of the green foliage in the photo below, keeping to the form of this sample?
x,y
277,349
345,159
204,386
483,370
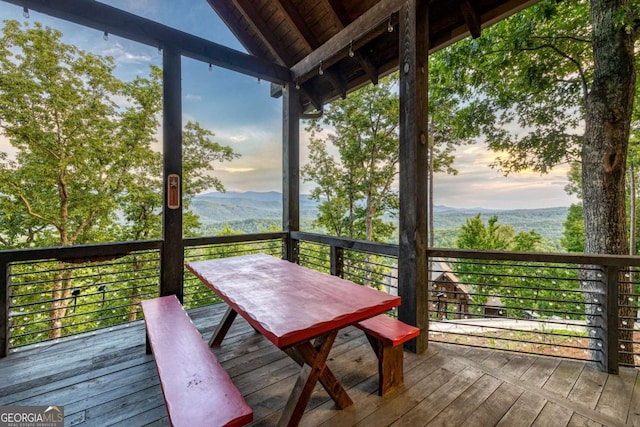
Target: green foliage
x,y
573,236
84,169
548,290
356,190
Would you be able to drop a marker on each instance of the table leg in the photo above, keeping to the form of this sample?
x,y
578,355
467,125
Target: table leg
x,y
223,327
314,368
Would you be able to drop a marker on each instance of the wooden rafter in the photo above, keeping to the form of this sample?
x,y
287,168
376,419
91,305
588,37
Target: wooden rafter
x,y
296,21
109,19
343,20
337,47
259,26
472,18
494,15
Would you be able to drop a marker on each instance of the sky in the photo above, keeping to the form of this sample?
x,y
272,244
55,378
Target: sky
x,y
243,115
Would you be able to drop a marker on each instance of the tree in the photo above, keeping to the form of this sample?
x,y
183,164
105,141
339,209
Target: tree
x,y
547,70
82,158
355,191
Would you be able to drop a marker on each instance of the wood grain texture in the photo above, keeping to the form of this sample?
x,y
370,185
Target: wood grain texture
x,y
286,302
96,376
197,390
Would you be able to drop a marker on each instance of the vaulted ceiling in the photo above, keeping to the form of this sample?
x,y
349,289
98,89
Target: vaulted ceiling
x,y
335,46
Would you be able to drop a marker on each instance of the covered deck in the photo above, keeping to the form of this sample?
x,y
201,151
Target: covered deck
x,y
105,378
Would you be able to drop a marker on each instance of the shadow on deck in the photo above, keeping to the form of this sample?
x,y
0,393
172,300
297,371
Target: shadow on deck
x,y
107,379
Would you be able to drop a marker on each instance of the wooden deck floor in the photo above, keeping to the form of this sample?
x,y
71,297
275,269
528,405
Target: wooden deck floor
x,y
107,379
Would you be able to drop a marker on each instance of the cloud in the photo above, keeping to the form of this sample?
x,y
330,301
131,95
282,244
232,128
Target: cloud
x,y
191,97
236,170
129,54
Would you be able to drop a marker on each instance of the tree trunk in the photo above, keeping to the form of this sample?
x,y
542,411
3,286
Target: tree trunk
x,y
633,211
61,294
607,121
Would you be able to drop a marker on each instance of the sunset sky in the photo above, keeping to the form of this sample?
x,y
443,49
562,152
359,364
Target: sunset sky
x,y
241,113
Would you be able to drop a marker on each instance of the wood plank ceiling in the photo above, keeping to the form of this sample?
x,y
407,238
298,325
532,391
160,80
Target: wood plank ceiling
x,y
333,46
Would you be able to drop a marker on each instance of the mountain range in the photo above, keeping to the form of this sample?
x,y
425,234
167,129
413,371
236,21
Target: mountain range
x,y
257,211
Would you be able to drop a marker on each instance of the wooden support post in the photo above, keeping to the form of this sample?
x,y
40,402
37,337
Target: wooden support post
x,y
610,321
412,260
291,170
337,261
172,258
4,310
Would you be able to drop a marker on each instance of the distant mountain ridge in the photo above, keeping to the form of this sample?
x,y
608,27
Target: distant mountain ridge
x,y
243,210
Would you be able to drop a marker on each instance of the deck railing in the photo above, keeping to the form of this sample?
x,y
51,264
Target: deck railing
x,y
562,305
53,293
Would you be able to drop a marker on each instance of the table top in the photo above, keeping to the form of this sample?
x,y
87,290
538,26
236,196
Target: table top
x,y
286,302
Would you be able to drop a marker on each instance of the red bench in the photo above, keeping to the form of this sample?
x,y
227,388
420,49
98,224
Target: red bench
x,y
386,336
197,390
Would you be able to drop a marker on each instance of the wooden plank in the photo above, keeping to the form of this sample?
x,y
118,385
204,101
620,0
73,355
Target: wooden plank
x,y
437,401
578,420
564,378
588,387
633,416
111,373
495,406
364,393
464,407
518,365
278,297
538,374
616,395
524,411
553,414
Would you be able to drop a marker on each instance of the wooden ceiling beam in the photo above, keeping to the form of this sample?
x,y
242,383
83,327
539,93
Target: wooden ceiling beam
x,y
104,18
226,12
259,26
354,32
486,19
472,18
297,23
343,20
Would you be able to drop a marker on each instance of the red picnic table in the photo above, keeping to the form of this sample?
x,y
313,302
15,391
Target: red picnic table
x,y
292,305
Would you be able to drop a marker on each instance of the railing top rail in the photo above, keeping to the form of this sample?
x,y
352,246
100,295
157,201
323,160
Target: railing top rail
x,y
84,253
388,249
236,238
562,258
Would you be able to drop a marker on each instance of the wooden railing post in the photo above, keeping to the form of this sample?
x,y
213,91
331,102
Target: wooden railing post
x,y
337,261
291,170
607,333
4,311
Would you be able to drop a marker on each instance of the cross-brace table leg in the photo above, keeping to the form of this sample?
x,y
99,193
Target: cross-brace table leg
x,y
313,360
223,327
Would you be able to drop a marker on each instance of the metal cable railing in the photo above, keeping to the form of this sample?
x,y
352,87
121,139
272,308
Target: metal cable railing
x,y
548,304
51,299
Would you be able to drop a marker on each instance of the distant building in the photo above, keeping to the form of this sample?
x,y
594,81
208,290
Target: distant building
x,y
448,298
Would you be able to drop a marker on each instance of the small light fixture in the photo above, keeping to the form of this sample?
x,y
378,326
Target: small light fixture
x,y
351,52
258,80
297,84
320,70
25,12
105,36
390,25
210,67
